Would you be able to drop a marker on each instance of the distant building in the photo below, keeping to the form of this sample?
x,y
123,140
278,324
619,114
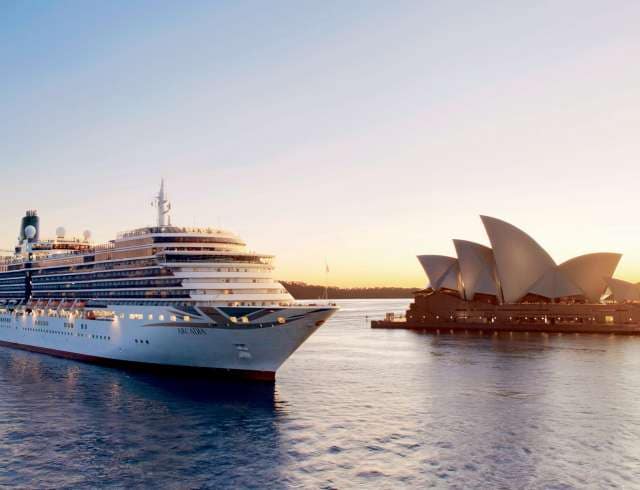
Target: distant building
x,y
515,284
516,269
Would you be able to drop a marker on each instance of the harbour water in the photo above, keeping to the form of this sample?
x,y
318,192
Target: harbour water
x,y
353,407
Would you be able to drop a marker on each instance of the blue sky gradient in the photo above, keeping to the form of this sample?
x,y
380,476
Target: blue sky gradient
x,y
364,132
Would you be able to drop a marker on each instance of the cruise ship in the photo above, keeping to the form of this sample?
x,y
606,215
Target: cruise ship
x,y
160,296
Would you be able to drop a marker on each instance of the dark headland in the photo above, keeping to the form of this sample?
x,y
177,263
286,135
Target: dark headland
x,y
301,290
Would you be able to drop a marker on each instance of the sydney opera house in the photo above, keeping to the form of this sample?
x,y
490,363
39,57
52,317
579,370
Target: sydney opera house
x,y
516,281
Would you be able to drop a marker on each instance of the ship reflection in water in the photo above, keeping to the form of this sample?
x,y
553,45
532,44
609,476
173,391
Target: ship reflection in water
x,y
354,406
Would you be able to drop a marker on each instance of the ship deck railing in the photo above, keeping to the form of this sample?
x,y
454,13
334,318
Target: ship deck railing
x,y
138,232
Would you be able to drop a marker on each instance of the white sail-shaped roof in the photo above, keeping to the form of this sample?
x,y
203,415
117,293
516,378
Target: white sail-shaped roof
x,y
451,280
477,268
520,261
590,272
555,284
517,265
623,290
442,271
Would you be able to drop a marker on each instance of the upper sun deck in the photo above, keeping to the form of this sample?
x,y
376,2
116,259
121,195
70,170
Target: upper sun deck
x,y
171,230
58,248
139,242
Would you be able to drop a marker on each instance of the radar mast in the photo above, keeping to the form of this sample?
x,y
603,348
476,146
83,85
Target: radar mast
x,y
164,206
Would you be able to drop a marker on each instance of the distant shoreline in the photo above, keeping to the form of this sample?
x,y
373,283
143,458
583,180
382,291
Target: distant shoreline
x,y
301,290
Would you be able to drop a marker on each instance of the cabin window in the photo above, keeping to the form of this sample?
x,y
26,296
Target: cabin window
x,y
150,317
187,318
608,319
161,317
136,316
173,318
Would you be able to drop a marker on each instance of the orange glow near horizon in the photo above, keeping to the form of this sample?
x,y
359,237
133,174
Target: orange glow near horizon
x,y
386,257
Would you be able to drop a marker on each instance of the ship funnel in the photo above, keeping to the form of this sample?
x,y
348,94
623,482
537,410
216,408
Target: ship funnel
x,y
30,226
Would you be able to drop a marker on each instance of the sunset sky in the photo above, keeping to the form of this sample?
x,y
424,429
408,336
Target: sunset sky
x,y
363,132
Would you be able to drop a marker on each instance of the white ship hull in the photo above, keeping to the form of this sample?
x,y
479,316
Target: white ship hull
x,y
254,348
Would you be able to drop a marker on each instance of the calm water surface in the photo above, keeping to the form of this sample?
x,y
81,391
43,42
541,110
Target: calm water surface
x,y
353,407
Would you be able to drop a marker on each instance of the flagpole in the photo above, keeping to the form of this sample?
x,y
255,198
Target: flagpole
x,y
326,280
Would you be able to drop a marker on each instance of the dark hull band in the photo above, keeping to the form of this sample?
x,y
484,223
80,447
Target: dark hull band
x,y
268,376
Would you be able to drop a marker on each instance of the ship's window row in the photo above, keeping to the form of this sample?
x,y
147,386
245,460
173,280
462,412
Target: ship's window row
x,y
147,272
12,280
124,283
240,280
195,239
125,266
84,274
250,259
241,291
185,248
258,303
60,332
149,262
181,302
141,341
13,283
7,275
161,317
117,290
93,266
145,245
41,330
261,269
143,293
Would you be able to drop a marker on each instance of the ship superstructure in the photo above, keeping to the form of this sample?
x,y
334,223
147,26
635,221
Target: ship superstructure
x,y
157,295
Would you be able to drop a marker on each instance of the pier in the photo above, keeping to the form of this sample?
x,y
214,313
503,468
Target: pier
x,y
486,328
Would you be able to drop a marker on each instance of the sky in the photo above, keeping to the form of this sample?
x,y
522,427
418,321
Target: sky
x,y
360,133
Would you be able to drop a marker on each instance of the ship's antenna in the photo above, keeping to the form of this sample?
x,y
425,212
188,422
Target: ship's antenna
x,y
164,206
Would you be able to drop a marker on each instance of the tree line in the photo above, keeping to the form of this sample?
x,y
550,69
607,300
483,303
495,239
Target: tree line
x,y
301,290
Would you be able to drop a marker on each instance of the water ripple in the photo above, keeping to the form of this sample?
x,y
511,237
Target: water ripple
x,y
354,407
